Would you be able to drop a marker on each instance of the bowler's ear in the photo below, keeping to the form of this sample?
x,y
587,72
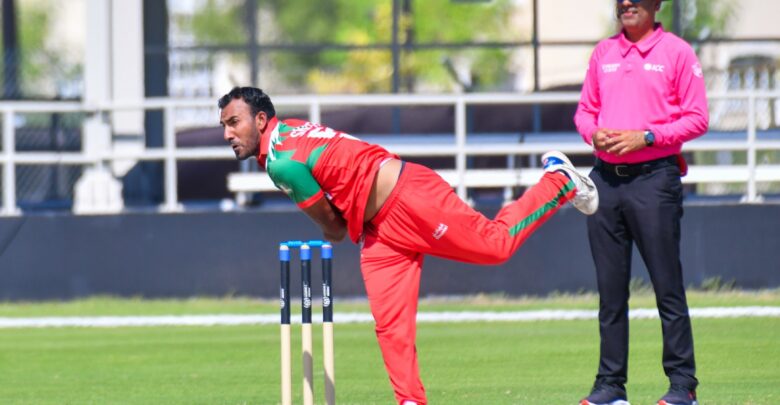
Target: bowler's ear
x,y
261,120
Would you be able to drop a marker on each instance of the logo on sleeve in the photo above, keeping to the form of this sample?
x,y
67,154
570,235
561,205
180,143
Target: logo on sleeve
x,y
285,188
440,231
610,67
697,70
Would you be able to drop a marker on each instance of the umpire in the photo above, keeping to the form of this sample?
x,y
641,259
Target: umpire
x,y
643,97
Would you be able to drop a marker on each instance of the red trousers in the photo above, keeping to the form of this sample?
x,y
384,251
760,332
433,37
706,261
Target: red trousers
x,y
423,216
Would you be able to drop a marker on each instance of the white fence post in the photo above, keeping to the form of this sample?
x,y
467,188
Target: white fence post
x,y
171,175
97,151
315,113
460,147
752,193
97,191
9,166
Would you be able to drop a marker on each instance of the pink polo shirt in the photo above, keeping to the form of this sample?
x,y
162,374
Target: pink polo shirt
x,y
655,84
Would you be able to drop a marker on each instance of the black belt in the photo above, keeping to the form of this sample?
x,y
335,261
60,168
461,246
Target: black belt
x,y
635,169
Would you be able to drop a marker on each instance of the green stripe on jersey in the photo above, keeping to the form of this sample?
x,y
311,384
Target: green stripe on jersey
x,y
294,178
283,128
282,154
314,156
513,231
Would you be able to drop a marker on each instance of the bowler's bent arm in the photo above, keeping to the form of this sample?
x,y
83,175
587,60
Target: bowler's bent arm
x,y
333,226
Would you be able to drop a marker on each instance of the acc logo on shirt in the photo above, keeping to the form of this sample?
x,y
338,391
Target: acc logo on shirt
x,y
654,68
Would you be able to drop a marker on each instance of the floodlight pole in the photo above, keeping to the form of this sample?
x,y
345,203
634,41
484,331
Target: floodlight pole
x,y
677,18
396,46
537,111
396,120
535,42
250,8
254,50
10,51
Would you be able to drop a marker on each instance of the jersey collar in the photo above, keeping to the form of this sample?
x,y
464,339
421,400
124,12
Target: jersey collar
x,y
265,140
644,45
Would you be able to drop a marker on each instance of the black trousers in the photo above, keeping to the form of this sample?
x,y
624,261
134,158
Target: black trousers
x,y
646,208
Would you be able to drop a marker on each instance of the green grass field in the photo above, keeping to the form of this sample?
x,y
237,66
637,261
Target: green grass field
x,y
546,362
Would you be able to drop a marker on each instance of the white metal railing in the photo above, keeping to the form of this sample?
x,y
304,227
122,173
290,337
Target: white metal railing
x,y
460,149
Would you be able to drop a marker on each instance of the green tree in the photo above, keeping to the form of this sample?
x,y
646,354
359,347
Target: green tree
x,y
700,19
218,22
32,23
369,22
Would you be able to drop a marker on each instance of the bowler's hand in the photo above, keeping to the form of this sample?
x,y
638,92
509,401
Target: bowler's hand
x,y
599,139
621,142
336,236
330,220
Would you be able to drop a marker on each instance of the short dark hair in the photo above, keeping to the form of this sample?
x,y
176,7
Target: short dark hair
x,y
257,100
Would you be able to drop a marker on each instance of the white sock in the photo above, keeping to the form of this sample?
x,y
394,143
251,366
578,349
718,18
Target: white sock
x,y
409,403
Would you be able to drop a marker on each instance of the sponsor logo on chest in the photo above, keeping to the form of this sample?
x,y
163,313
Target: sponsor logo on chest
x,y
610,67
649,67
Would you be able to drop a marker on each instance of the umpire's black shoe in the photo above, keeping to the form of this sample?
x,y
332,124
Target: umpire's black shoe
x,y
679,395
606,394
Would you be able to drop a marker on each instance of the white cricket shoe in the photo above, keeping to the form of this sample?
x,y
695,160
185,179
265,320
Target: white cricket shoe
x,y
586,198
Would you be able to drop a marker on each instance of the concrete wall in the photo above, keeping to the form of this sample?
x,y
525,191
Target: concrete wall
x,y
215,254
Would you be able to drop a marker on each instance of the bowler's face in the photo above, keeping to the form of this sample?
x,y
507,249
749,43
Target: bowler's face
x,y
240,129
638,15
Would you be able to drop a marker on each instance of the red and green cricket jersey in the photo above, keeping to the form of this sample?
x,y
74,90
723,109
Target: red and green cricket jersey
x,y
308,161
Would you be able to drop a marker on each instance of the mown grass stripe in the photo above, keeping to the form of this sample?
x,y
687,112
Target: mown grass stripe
x,y
357,317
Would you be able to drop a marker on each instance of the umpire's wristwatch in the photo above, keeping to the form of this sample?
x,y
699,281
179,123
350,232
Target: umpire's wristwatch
x,y
649,138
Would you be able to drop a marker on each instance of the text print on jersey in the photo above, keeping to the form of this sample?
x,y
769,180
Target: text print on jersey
x,y
312,130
